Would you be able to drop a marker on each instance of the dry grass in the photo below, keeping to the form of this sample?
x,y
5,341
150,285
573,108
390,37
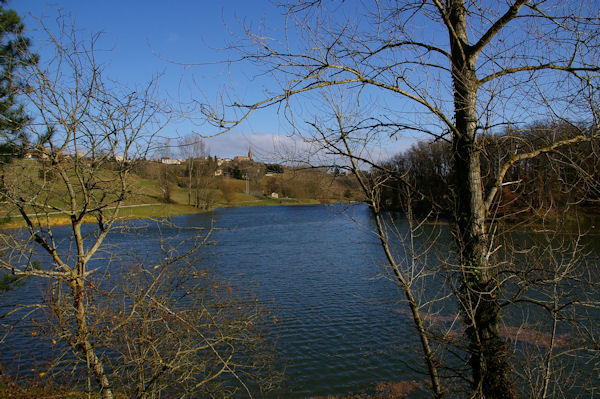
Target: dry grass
x,y
43,388
383,390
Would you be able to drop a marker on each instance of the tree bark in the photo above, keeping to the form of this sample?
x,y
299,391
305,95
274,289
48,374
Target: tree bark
x,y
82,342
479,296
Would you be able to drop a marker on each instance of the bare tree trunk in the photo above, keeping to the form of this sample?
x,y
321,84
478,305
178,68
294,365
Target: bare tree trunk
x,y
197,189
479,292
479,296
82,342
190,172
428,353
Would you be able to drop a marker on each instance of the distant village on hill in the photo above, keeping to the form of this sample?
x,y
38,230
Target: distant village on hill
x,y
205,181
211,179
238,167
222,164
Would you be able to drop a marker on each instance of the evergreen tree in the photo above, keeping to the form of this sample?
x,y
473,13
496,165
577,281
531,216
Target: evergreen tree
x,y
14,54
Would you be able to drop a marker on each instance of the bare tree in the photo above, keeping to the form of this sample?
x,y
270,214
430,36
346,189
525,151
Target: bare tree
x,y
173,327
193,150
410,268
162,324
205,182
452,70
83,124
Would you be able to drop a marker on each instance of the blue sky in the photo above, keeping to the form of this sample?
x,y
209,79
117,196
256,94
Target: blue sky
x,y
184,31
142,36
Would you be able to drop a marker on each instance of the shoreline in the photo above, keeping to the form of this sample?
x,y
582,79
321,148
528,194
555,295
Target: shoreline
x,y
158,210
163,210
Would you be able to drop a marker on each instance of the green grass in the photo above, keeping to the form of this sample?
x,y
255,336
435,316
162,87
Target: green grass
x,y
142,191
157,211
273,201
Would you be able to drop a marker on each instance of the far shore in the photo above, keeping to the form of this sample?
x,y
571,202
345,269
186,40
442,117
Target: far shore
x,y
156,210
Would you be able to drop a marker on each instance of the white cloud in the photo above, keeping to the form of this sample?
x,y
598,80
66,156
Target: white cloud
x,y
265,147
273,148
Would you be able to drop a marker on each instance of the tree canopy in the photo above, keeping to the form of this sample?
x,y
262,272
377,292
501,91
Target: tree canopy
x,y
14,54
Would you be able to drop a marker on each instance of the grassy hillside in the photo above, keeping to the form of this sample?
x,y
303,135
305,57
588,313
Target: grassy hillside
x,y
147,187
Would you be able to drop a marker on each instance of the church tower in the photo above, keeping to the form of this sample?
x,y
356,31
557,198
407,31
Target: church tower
x,y
250,153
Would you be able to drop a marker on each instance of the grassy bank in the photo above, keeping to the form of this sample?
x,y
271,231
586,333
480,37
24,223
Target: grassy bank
x,y
148,196
150,211
271,201
140,211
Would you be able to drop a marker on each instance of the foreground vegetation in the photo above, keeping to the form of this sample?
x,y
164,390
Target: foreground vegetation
x,y
42,389
495,63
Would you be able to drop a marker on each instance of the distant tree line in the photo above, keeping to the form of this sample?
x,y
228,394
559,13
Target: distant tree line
x,y
566,176
273,168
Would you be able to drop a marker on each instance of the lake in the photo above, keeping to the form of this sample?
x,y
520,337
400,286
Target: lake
x,y
341,325
321,269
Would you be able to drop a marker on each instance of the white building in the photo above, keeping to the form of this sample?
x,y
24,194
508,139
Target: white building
x,y
169,161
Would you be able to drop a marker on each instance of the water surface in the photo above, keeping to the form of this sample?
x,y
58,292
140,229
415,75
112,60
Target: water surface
x,y
341,326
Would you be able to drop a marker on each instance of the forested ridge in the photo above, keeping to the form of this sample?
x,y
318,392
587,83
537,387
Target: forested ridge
x,y
559,178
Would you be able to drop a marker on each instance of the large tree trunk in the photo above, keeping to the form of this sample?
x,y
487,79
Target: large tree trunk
x,y
479,294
